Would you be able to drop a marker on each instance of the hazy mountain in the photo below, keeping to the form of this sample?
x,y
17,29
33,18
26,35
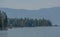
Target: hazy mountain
x,y
48,13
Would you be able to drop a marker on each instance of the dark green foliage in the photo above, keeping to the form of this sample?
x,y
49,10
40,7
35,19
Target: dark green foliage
x,y
27,22
22,22
0,20
3,20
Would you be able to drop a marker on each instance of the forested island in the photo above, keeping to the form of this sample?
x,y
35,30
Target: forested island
x,y
22,22
28,22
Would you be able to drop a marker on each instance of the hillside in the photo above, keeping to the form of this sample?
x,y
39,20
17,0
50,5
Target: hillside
x,y
48,13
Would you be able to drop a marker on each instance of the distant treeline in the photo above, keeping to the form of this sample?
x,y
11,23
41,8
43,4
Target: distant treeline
x,y
26,22
22,22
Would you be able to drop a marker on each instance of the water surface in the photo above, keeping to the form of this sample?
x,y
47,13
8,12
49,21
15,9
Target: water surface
x,y
34,32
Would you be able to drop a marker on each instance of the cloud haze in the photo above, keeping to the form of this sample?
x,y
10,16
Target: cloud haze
x,y
29,4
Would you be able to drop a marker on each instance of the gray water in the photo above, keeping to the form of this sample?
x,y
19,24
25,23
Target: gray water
x,y
33,32
3,33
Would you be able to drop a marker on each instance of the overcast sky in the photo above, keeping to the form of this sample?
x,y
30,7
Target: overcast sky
x,y
29,4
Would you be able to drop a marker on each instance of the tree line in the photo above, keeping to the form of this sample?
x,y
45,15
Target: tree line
x,y
22,22
28,22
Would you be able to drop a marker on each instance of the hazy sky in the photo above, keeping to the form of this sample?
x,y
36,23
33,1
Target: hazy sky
x,y
29,4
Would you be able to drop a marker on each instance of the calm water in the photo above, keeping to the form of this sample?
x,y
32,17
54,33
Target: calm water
x,y
3,33
32,32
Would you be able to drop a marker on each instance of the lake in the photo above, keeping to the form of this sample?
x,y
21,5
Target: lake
x,y
32,32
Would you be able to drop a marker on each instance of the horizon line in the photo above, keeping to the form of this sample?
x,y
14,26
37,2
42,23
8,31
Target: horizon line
x,y
30,9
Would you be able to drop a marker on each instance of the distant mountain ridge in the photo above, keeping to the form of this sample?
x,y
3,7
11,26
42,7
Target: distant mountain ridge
x,y
48,13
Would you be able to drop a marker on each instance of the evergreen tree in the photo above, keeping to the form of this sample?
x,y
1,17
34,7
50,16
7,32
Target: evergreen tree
x,y
3,20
